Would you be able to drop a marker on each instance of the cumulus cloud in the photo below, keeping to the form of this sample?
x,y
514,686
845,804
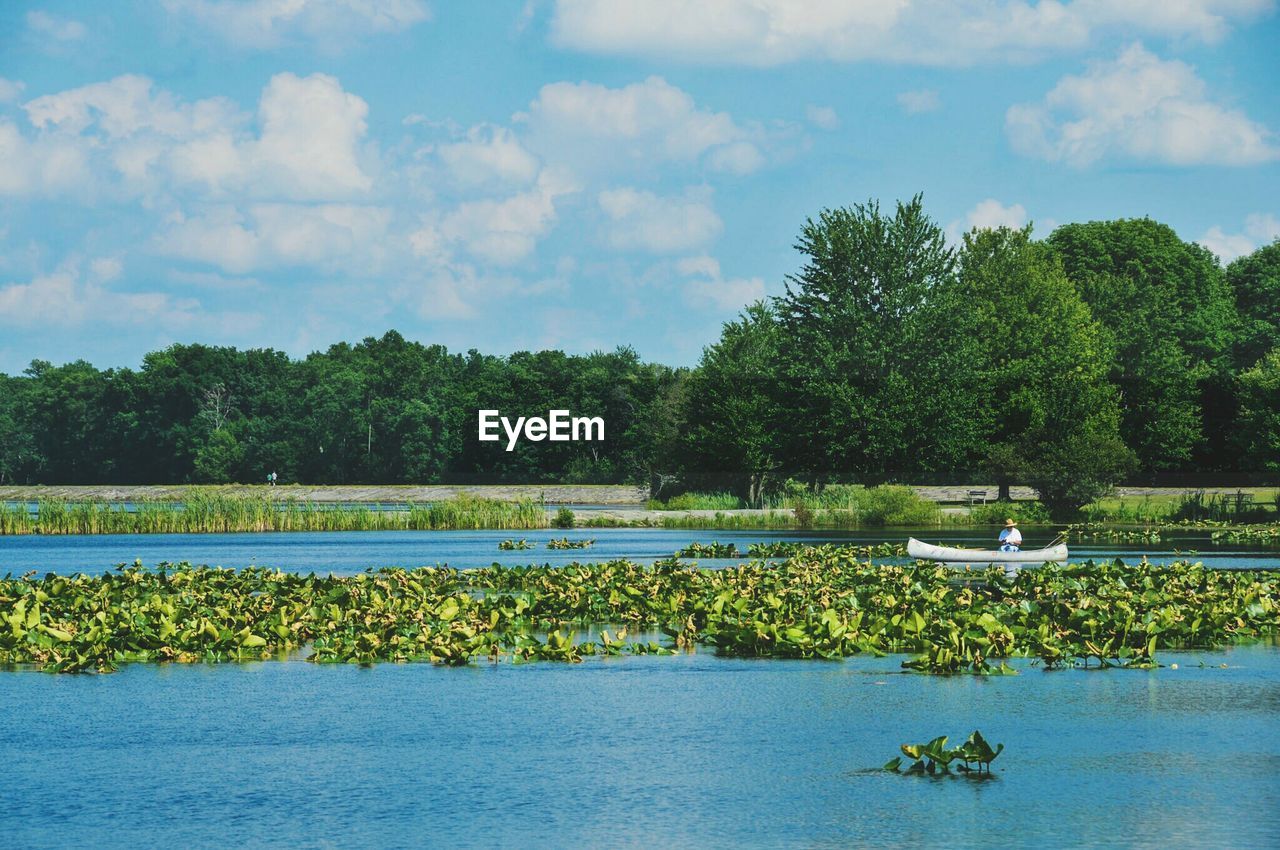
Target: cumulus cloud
x,y
705,287
10,90
822,117
501,231
915,102
47,27
488,155
1259,229
329,236
926,32
71,296
589,125
987,214
127,137
662,225
1141,108
271,23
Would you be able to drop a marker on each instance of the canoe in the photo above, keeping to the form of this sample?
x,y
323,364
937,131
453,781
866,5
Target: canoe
x,y
928,552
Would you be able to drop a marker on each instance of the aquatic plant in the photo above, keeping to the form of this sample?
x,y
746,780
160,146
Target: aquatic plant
x,y
514,545
566,543
933,757
820,603
709,550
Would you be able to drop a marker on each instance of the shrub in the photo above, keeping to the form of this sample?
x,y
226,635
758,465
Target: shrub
x,y
892,504
995,513
564,519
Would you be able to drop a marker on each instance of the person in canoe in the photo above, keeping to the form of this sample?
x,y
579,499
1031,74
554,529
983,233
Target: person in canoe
x,y
1010,537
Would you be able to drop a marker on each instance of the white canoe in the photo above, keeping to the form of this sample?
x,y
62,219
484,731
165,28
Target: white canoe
x,y
928,552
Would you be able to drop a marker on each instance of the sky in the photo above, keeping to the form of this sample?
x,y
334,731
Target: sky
x,y
576,174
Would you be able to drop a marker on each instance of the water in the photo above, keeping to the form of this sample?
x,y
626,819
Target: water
x,y
642,752
347,552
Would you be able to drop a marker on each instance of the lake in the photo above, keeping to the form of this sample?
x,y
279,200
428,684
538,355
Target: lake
x,y
690,750
346,552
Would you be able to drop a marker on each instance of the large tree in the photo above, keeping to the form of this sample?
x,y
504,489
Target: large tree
x,y
1171,315
1255,285
1259,434
735,415
1052,415
871,349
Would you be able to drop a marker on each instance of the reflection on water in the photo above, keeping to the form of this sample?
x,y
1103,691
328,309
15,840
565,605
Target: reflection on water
x,y
683,751
347,552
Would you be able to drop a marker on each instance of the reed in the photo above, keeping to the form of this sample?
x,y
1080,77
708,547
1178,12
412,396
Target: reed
x,y
204,512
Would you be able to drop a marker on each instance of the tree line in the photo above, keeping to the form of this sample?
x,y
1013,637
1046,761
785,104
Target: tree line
x,y
1109,350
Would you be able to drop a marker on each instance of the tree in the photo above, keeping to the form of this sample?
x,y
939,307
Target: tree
x,y
1255,285
874,366
733,410
1170,312
1259,434
1044,361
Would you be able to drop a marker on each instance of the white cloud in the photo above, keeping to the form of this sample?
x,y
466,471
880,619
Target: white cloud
x,y
927,32
10,90
586,125
987,214
344,237
707,288
1259,229
125,137
67,297
46,26
1140,108
642,220
488,155
822,117
270,23
501,232
916,102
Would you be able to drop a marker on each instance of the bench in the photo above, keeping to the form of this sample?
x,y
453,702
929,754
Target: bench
x,y
977,496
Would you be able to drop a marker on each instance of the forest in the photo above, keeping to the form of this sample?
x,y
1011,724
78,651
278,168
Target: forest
x,y
1108,351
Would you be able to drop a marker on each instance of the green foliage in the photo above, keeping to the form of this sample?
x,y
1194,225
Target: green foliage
x,y
822,602
1255,285
709,550
1172,317
566,543
514,545
1259,434
995,513
564,518
698,502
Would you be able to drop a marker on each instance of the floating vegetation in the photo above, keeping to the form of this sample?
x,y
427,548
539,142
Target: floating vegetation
x,y
1097,531
1248,534
514,545
208,511
823,603
709,550
788,549
566,543
973,756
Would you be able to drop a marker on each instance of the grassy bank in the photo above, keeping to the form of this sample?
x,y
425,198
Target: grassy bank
x,y
212,511
820,603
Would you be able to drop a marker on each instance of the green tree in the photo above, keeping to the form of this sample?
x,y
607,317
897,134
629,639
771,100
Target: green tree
x,y
1255,285
733,410
1044,363
1259,434
1170,312
874,364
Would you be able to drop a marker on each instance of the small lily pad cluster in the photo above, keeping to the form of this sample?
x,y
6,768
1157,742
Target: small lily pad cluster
x,y
566,543
709,550
973,756
514,545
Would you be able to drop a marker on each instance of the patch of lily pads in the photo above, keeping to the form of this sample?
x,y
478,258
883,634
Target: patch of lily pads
x,y
819,603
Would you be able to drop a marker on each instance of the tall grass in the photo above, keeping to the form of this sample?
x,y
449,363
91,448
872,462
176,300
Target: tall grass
x,y
211,512
698,502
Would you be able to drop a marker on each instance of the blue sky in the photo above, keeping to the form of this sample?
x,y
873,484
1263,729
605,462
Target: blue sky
x,y
576,174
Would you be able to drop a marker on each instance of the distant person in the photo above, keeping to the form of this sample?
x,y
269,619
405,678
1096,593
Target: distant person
x,y
1010,537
